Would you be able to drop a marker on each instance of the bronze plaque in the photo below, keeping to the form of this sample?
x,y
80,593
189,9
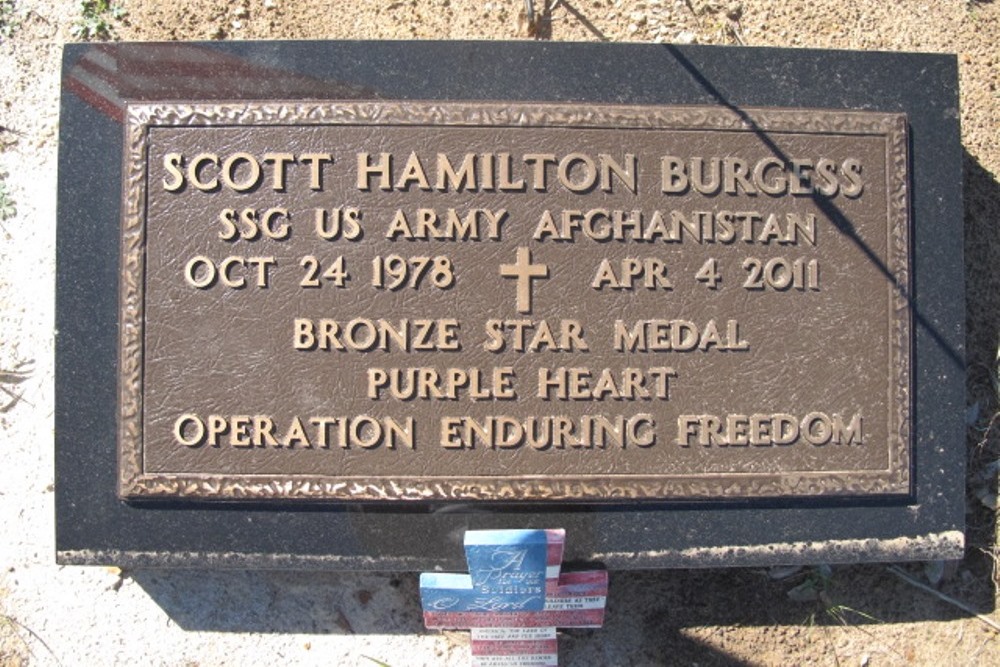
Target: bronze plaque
x,y
445,301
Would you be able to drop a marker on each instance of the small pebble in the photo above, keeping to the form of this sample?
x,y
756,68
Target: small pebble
x,y
686,37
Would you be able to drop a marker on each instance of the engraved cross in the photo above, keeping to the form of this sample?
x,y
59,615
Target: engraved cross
x,y
525,272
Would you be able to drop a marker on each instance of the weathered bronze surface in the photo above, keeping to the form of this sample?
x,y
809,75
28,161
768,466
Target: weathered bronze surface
x,y
406,301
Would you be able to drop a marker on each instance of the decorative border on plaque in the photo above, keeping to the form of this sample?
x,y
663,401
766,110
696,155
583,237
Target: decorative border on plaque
x,y
134,483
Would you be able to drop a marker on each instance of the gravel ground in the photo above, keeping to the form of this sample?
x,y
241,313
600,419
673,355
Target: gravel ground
x,y
53,615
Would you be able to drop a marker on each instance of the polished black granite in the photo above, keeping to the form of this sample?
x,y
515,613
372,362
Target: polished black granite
x,y
95,527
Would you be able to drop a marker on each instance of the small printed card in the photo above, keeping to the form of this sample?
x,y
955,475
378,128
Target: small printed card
x,y
514,597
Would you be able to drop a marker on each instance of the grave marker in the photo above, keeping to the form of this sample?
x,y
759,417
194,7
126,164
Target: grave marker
x,y
697,306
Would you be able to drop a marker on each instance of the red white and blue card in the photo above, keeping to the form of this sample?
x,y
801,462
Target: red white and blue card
x,y
514,597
